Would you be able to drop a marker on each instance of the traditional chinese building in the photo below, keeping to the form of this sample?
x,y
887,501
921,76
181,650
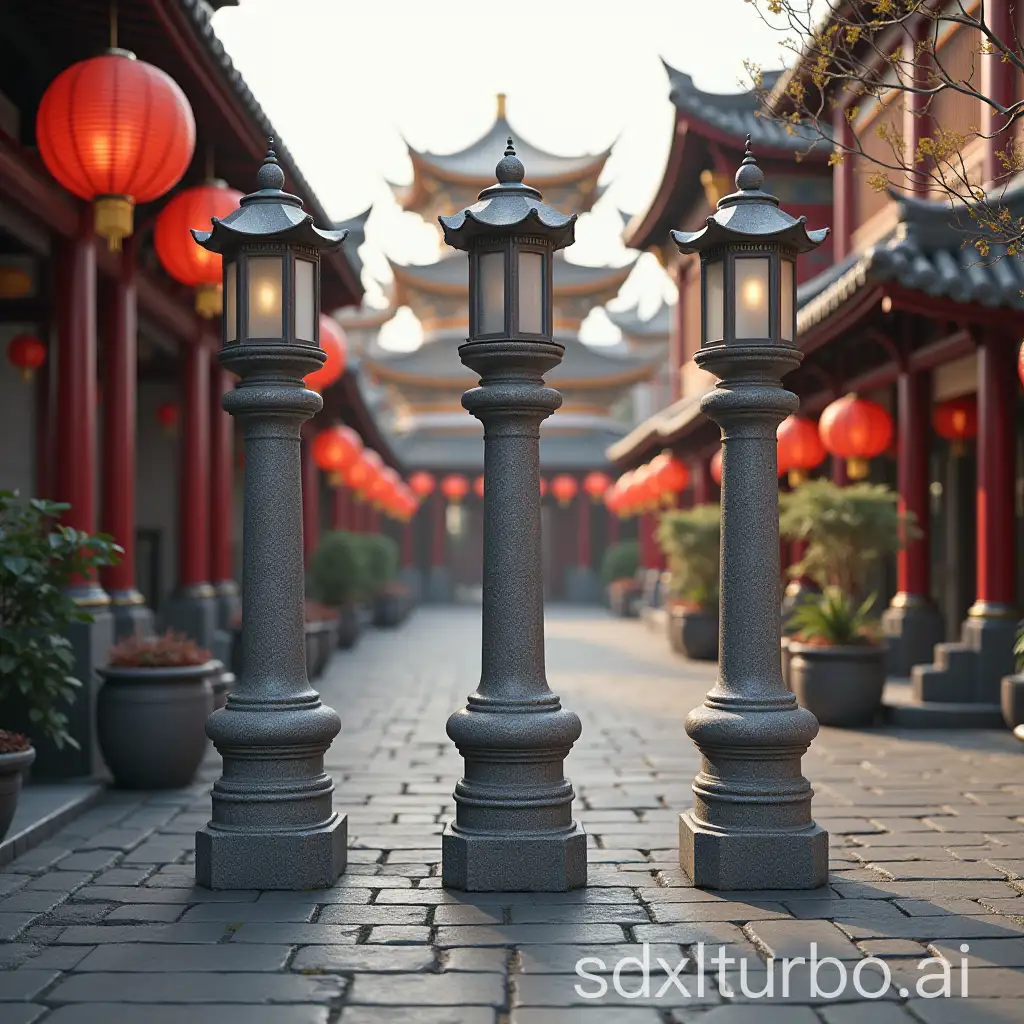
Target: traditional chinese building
x,y
904,315
431,431
122,416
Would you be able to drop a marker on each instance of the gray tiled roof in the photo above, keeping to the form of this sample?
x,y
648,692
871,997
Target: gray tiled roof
x,y
655,327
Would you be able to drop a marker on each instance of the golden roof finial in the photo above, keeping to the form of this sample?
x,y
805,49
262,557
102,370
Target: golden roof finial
x,y
501,104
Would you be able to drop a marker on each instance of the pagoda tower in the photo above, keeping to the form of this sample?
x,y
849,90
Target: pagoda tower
x,y
429,429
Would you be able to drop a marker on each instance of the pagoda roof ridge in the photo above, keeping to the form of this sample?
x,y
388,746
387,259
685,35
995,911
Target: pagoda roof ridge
x,y
630,322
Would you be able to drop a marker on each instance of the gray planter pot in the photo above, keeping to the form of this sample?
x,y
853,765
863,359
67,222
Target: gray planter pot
x,y
1012,700
389,610
841,685
152,724
350,625
12,767
694,634
625,603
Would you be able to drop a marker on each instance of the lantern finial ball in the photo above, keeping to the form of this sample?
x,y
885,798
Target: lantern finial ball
x,y
510,169
750,177
270,176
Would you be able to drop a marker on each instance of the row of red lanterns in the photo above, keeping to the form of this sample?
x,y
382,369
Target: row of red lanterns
x,y
455,486
653,484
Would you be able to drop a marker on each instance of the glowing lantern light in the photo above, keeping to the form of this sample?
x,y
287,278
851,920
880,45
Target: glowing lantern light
x,y
115,131
334,450
422,484
564,488
15,283
857,430
27,353
596,485
168,414
454,487
956,421
179,253
332,341
800,448
360,475
669,476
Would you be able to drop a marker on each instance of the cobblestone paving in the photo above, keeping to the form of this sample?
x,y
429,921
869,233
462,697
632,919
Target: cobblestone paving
x,y
103,924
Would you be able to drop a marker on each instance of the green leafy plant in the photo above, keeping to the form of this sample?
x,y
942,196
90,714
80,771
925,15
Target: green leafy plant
x,y
13,742
690,539
381,555
1018,650
834,620
171,650
338,571
847,530
39,558
620,561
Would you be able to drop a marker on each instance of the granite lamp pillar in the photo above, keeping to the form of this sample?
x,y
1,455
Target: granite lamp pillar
x,y
273,825
513,827
750,826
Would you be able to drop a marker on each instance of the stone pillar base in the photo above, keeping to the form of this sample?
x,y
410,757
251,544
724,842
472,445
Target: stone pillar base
x,y
582,585
514,862
752,860
193,611
131,615
413,579
229,604
912,627
292,860
440,587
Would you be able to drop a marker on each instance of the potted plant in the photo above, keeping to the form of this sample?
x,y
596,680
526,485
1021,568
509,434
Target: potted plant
x,y
618,573
1013,686
690,539
337,579
836,655
152,710
389,599
39,558
16,755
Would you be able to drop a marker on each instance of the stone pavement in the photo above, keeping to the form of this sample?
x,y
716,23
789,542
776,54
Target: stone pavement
x,y
102,924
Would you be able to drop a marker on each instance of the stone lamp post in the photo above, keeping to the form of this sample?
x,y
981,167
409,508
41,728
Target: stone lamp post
x,y
513,827
751,825
273,826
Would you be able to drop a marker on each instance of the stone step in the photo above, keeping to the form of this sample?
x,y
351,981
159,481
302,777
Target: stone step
x,y
944,715
956,658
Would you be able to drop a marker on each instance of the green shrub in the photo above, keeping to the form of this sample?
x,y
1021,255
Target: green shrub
x,y
690,539
337,573
620,561
835,619
1018,650
381,559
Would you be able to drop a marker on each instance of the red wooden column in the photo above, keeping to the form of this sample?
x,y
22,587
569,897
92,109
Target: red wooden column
x,y
341,509
703,485
222,491
373,520
438,546
837,470
310,501
583,531
842,186
612,527
77,393
408,545
999,83
119,418
913,564
194,494
997,386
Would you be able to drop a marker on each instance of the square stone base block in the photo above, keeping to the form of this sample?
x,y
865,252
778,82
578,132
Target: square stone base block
x,y
272,860
752,860
514,862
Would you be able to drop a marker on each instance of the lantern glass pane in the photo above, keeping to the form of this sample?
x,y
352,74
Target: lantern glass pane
x,y
231,303
787,304
714,302
305,301
491,289
531,292
752,279
265,296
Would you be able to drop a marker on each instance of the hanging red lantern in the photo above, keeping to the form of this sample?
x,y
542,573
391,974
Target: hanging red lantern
x,y
422,483
956,421
115,131
334,343
179,253
857,430
543,488
596,485
715,469
564,488
800,448
669,476
454,487
168,414
360,475
334,450
620,494
1020,363
478,486
27,353
388,491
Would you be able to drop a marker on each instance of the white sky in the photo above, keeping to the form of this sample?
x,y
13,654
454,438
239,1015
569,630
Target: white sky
x,y
344,81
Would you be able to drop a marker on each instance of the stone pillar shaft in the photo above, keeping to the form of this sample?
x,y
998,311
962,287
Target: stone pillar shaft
x,y
222,481
310,501
194,470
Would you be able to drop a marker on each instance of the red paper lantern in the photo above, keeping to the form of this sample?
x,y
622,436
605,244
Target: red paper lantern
x,y
334,450
422,483
857,430
27,353
388,491
116,131
360,475
669,476
168,414
454,487
625,494
564,488
716,467
799,447
596,485
478,486
333,342
1020,363
956,420
179,253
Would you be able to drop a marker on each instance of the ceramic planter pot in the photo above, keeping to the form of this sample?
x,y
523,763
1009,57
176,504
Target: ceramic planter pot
x,y
151,723
388,611
349,626
695,633
841,685
1012,700
12,767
